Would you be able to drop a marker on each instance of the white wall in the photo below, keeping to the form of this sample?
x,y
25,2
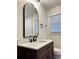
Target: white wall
x,y
20,4
43,19
54,10
42,13
54,36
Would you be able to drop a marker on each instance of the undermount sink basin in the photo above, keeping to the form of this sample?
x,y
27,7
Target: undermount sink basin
x,y
41,41
27,41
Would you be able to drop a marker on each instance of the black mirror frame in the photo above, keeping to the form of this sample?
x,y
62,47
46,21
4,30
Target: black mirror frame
x,y
24,20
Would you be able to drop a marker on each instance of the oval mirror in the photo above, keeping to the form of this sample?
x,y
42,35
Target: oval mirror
x,y
30,21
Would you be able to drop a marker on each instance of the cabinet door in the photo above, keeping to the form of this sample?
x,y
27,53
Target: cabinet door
x,y
49,55
43,57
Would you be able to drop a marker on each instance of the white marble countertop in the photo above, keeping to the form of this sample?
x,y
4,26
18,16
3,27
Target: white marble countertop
x,y
34,45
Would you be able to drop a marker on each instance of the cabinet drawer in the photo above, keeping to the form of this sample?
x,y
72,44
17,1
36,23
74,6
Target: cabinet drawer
x,y
45,49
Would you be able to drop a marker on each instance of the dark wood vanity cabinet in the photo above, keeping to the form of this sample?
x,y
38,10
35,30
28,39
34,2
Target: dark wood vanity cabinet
x,y
45,52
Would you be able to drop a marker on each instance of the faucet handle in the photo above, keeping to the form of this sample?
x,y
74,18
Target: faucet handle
x,y
30,38
35,38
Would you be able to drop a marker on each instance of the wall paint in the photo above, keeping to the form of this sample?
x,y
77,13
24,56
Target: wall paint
x,y
54,36
43,19
20,4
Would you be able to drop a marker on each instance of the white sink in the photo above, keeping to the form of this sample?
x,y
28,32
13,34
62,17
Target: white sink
x,y
27,41
33,45
42,41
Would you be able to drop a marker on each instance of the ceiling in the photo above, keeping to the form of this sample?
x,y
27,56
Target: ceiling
x,y
50,3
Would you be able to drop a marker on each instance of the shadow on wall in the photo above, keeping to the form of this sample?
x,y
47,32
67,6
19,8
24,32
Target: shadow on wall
x,y
57,40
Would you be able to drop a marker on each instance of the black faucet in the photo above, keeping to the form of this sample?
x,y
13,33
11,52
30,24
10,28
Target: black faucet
x,y
34,38
31,39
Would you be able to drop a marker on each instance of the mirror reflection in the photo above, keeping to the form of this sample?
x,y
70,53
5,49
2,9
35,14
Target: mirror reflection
x,y
30,21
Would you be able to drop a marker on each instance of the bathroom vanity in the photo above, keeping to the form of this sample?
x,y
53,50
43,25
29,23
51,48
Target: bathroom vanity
x,y
42,49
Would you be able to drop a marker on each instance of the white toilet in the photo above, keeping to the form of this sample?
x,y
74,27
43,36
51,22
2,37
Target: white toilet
x,y
57,53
